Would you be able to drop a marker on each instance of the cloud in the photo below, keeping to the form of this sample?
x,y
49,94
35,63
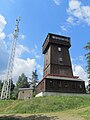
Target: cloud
x,y
37,56
20,37
3,54
2,75
20,65
23,66
78,13
3,60
78,66
20,49
80,59
63,28
40,69
57,2
78,70
2,26
35,52
74,4
2,23
26,67
70,20
10,36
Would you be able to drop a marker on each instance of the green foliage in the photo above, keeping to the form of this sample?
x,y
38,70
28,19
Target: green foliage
x,y
34,75
33,81
12,90
1,84
44,104
12,85
22,82
87,47
14,94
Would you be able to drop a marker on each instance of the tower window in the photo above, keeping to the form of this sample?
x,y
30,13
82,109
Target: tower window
x,y
59,49
80,86
60,59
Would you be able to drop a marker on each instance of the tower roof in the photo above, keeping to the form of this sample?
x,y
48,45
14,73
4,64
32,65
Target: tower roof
x,y
55,39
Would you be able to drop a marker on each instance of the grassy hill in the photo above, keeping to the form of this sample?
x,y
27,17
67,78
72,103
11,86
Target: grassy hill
x,y
76,104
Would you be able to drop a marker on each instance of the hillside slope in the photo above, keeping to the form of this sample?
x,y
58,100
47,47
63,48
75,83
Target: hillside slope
x,y
44,104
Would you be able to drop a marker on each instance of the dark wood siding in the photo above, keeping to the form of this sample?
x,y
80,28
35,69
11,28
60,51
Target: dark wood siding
x,y
57,61
62,86
41,86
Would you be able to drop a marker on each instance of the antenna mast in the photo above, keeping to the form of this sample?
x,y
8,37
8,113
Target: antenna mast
x,y
7,82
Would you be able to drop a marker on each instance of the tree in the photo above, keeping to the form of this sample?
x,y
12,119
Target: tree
x,y
12,96
87,47
34,81
1,84
12,85
22,82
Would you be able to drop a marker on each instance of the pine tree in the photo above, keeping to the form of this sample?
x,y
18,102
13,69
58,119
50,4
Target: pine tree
x,y
34,81
22,82
1,84
87,47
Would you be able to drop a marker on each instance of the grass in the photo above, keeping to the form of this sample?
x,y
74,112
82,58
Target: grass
x,y
43,104
79,105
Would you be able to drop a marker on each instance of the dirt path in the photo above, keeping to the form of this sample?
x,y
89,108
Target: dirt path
x,y
65,115
46,116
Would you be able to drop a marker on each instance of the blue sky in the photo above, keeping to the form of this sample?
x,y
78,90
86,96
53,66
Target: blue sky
x,y
38,18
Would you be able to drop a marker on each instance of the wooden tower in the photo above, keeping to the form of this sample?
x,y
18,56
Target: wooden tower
x,y
58,75
56,55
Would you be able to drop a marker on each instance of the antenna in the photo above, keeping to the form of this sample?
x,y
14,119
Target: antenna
x,y
5,94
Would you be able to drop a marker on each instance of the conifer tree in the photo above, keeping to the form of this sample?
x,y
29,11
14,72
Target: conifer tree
x,y
87,55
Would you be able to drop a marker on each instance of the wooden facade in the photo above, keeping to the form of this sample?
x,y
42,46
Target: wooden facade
x,y
61,84
56,55
58,74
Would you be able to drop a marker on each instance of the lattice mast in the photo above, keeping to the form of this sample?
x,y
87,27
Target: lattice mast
x,y
7,82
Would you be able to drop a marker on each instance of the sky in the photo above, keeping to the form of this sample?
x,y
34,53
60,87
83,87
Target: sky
x,y
38,18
